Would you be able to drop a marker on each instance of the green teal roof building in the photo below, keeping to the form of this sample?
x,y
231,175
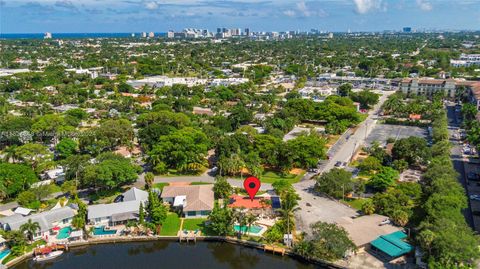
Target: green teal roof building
x,y
392,244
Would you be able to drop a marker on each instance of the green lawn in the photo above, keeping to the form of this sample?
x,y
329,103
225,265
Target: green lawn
x,y
200,183
171,225
355,203
272,176
197,224
160,185
105,196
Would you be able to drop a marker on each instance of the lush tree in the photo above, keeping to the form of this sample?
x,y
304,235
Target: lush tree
x,y
282,186
221,220
370,164
336,183
157,211
184,150
366,98
329,242
304,151
384,179
15,178
344,89
34,155
222,189
66,147
111,171
368,207
414,150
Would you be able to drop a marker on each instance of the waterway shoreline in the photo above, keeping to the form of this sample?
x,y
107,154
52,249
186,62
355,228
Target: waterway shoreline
x,y
137,239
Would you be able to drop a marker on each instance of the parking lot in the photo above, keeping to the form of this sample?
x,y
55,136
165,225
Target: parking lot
x,y
382,132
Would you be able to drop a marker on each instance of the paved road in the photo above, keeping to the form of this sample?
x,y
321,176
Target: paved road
x,y
205,177
457,159
318,208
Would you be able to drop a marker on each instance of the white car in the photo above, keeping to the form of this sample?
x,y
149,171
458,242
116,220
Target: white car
x,y
475,197
385,222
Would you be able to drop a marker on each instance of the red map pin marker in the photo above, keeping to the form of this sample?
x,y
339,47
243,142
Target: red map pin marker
x,y
251,185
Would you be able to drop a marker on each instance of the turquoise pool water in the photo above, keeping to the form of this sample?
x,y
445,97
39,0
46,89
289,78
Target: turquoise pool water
x,y
102,231
64,233
253,229
4,253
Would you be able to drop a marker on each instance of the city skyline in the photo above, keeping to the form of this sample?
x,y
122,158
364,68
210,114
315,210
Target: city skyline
x,y
64,16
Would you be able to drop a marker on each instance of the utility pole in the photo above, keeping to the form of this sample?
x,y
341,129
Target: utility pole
x,y
353,150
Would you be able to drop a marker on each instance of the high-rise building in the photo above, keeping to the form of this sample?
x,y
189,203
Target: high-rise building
x,y
219,30
247,31
236,31
47,35
144,34
407,29
170,34
151,34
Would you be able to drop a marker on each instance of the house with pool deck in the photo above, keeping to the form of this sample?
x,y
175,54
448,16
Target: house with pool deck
x,y
118,213
194,201
50,221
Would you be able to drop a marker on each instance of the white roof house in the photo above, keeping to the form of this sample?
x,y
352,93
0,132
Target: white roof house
x,y
47,220
22,211
107,214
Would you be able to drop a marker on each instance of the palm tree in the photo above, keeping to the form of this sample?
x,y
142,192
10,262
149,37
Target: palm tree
x,y
239,216
250,220
289,206
30,228
149,178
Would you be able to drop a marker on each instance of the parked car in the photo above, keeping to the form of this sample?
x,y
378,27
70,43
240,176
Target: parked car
x,y
475,197
118,199
338,164
385,222
472,176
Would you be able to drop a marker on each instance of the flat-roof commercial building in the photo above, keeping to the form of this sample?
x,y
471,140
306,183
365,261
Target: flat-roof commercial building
x,y
429,87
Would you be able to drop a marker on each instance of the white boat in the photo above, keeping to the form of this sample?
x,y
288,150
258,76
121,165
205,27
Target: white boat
x,y
49,256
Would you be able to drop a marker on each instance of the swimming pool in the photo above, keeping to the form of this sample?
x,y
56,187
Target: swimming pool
x,y
102,231
64,233
253,229
4,254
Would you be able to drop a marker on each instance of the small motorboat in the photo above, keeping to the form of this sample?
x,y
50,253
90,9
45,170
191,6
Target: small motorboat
x,y
48,256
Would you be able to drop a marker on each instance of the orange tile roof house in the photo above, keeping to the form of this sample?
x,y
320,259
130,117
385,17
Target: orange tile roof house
x,y
194,201
239,201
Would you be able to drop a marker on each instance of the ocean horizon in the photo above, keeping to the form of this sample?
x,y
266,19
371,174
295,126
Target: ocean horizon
x,y
72,35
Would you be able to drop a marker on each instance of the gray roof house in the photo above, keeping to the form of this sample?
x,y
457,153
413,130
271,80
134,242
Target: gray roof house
x,y
111,214
47,220
195,201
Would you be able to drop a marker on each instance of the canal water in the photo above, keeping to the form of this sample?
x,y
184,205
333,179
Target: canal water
x,y
167,254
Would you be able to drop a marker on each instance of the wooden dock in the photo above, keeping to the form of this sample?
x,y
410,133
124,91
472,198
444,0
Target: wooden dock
x,y
274,249
188,236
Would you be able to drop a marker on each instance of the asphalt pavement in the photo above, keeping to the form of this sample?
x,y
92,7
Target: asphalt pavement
x,y
457,159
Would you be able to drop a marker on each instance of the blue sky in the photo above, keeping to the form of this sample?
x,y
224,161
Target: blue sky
x,y
34,16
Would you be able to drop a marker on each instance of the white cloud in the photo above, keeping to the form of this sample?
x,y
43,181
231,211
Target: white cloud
x,y
289,13
424,5
365,6
302,10
151,5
